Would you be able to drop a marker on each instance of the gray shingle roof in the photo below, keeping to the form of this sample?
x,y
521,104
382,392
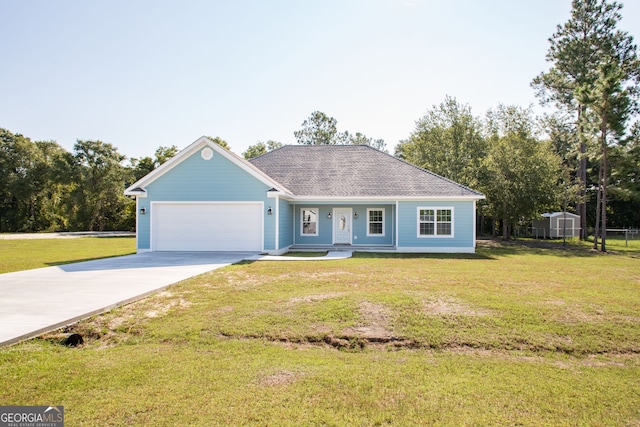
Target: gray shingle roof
x,y
353,171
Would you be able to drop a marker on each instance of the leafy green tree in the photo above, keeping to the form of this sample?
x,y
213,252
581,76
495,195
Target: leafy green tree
x,y
18,157
448,141
627,177
611,104
52,190
260,148
562,132
163,154
143,166
320,129
623,207
522,172
34,184
361,139
221,142
100,176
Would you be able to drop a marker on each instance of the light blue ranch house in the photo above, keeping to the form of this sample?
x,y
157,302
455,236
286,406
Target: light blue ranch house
x,y
300,197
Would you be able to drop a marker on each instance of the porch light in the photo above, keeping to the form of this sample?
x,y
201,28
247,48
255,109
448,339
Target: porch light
x,y
143,211
355,215
269,211
329,215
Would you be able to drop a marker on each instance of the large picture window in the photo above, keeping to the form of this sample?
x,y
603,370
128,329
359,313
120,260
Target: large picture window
x,y
375,222
435,222
309,217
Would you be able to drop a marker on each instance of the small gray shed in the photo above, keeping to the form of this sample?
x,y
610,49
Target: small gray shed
x,y
554,225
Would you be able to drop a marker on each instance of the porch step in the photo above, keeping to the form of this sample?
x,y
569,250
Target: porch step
x,y
339,248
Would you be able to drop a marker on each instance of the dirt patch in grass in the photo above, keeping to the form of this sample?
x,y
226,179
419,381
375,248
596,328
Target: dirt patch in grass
x,y
315,298
225,309
375,331
585,313
125,322
449,306
242,280
280,378
376,324
161,308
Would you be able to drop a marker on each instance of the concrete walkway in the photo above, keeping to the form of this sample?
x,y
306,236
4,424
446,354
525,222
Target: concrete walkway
x,y
36,301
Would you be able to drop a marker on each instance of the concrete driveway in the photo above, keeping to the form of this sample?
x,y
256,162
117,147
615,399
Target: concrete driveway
x,y
36,301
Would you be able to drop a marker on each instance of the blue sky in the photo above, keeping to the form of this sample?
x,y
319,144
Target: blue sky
x,y
141,74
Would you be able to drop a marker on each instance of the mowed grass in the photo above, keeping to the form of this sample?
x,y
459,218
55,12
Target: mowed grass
x,y
17,255
517,334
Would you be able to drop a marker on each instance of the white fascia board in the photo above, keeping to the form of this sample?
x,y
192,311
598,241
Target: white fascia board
x,y
192,148
136,194
281,195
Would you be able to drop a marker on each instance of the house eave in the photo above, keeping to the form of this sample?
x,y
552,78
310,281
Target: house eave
x,y
344,199
135,192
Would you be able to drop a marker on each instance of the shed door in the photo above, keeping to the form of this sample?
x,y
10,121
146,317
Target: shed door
x,y
206,227
565,224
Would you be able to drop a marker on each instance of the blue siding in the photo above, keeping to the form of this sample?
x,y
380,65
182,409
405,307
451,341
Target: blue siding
x,y
359,225
286,227
463,225
325,230
196,179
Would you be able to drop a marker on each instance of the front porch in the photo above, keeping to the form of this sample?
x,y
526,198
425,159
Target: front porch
x,y
330,226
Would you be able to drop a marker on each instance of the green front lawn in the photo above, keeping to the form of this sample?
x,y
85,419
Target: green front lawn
x,y
16,255
519,334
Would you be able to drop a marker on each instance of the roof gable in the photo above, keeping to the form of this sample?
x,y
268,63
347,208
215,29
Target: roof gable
x,y
344,171
137,188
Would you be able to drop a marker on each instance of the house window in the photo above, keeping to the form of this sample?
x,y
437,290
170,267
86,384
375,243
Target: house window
x,y
309,219
433,222
375,222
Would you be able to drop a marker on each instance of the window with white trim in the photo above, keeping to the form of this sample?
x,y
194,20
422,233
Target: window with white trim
x,y
375,222
309,221
434,222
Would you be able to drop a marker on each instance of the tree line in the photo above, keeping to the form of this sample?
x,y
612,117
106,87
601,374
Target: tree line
x,y
582,155
593,84
43,187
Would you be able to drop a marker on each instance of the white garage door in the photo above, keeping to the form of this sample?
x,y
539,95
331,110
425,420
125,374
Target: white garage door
x,y
206,227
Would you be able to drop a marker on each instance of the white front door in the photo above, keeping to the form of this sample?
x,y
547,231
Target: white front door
x,y
342,226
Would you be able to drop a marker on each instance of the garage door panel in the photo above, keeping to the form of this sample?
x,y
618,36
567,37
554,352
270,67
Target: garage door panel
x,y
207,227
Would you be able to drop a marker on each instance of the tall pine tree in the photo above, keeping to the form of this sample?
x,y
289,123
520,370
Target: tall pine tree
x,y
585,53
